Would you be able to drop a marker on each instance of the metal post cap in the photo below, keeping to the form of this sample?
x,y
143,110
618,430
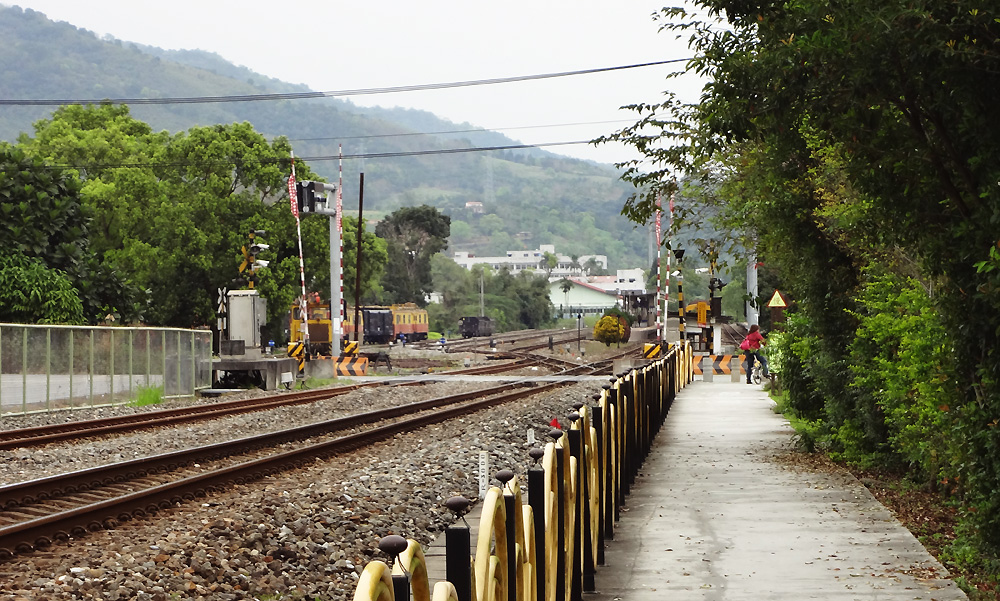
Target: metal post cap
x,y
504,476
393,545
458,504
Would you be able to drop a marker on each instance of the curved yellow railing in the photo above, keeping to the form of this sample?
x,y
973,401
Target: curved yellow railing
x,y
412,560
627,412
491,576
444,591
375,583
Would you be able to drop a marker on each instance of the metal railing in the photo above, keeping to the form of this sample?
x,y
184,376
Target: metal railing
x,y
50,367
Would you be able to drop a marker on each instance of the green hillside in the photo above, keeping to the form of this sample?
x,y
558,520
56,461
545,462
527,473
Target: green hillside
x,y
536,197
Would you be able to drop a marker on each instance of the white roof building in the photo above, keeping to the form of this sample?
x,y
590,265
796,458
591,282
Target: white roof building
x,y
595,294
523,260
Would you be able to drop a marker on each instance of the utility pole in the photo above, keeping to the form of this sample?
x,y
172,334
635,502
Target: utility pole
x,y
359,332
317,199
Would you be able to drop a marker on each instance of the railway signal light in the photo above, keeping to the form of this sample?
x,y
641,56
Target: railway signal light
x,y
309,193
250,261
305,192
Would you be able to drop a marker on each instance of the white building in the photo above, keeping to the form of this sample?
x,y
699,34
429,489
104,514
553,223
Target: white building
x,y
596,294
523,260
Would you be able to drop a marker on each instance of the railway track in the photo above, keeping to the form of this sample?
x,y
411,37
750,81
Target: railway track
x,y
481,344
26,437
733,334
40,512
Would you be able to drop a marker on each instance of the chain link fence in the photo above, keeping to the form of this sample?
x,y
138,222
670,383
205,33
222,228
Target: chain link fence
x,y
44,368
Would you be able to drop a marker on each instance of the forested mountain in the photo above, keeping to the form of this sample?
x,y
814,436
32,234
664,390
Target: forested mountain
x,y
530,197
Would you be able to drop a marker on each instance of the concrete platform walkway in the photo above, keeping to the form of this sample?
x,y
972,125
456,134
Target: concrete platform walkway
x,y
715,515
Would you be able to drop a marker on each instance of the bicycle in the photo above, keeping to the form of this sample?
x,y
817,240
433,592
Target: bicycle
x,y
755,373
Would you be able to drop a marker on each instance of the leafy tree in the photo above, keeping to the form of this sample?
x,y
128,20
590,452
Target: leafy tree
x,y
574,264
512,302
826,179
42,217
413,235
30,292
548,262
565,285
172,212
592,267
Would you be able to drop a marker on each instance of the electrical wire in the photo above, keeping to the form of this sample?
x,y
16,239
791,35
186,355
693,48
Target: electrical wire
x,y
332,94
320,158
460,131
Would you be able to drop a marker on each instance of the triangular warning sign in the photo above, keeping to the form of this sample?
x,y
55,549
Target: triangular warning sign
x,y
777,300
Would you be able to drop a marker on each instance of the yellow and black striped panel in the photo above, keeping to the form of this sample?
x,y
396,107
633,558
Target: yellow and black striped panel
x,y
351,366
651,350
297,350
350,347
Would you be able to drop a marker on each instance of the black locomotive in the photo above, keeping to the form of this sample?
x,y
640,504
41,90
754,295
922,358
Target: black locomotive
x,y
470,327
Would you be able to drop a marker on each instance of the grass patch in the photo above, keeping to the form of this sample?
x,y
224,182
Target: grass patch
x,y
147,395
314,383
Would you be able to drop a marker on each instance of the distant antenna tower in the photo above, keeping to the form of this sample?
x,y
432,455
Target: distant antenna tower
x,y
489,198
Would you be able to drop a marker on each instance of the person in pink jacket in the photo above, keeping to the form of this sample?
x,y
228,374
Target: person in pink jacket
x,y
751,347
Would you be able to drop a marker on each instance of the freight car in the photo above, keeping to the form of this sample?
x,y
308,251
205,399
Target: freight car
x,y
379,325
470,327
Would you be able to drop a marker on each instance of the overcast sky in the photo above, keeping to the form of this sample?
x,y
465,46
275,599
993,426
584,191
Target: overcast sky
x,y
336,45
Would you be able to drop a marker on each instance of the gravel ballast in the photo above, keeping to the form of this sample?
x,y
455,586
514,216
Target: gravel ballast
x,y
304,534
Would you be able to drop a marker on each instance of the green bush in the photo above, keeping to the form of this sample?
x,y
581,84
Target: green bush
x,y
902,361
609,330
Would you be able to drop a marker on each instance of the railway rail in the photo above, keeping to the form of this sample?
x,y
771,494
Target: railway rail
x,y
40,512
26,437
481,344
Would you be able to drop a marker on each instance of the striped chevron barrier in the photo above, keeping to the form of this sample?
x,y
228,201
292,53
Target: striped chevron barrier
x,y
297,351
720,364
351,366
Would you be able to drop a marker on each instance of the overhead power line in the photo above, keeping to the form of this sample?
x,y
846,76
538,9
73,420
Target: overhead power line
x,y
332,94
484,130
331,157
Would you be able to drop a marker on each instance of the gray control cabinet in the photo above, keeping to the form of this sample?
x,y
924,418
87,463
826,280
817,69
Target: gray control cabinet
x,y
247,315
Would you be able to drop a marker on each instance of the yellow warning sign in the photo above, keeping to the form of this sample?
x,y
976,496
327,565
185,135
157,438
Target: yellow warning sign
x,y
702,313
777,300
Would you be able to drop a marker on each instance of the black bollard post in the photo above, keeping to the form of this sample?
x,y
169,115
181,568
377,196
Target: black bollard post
x,y
458,540
576,571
